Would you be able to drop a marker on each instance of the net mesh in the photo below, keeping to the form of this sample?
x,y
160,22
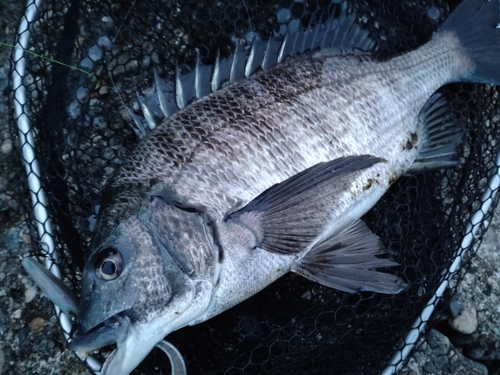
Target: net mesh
x,y
82,130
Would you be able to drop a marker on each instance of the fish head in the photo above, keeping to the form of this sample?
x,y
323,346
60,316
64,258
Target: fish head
x,y
141,282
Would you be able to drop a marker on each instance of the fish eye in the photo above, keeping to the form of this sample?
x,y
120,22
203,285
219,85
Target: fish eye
x,y
108,265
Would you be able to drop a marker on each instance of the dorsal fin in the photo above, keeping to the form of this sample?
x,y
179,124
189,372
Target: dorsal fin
x,y
340,34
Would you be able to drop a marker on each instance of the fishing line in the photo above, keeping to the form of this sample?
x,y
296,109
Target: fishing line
x,y
118,31
91,75
248,14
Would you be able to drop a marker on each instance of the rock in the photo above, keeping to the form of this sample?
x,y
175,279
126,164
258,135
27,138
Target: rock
x,y
476,353
23,335
11,239
26,238
7,147
429,368
29,292
466,320
17,314
455,308
37,324
438,342
461,365
437,356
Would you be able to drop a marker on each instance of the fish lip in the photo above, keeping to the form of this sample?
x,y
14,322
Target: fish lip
x,y
113,330
108,362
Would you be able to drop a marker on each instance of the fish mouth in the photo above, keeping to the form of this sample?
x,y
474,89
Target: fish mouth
x,y
132,341
111,331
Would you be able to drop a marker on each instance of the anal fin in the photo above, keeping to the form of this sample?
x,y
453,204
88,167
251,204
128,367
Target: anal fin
x,y
348,261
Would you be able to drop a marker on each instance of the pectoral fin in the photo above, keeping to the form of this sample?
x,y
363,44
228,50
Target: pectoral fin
x,y
288,216
348,262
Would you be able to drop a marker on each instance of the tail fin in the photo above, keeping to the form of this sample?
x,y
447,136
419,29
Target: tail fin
x,y
476,24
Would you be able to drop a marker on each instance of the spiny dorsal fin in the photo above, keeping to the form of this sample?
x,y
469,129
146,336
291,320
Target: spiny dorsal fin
x,y
340,34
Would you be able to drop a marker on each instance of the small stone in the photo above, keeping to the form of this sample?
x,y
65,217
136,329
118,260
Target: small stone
x,y
37,324
26,238
42,345
466,320
438,342
429,368
105,43
13,204
443,364
455,308
17,314
476,353
433,13
7,146
131,65
284,15
87,64
294,25
479,369
82,93
95,53
11,239
29,293
51,344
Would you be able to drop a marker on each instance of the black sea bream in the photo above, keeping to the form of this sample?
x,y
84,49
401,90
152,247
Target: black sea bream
x,y
270,175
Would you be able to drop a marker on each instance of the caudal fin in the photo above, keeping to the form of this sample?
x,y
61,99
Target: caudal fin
x,y
476,24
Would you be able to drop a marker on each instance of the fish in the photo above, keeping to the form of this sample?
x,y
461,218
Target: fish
x,y
67,301
270,175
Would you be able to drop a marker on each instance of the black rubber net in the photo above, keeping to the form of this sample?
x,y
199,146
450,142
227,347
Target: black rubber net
x,y
90,59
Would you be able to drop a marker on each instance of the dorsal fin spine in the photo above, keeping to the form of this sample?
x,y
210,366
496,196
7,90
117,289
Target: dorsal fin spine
x,y
137,126
282,52
179,97
216,73
147,113
251,57
197,75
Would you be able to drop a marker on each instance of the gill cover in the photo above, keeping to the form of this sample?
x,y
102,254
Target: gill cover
x,y
146,263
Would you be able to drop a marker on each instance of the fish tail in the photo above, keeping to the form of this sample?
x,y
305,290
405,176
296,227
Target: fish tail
x,y
476,24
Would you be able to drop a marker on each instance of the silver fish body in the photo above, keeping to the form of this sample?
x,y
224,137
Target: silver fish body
x,y
223,151
266,176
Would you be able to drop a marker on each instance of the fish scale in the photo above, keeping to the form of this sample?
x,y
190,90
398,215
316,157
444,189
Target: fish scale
x,y
306,105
